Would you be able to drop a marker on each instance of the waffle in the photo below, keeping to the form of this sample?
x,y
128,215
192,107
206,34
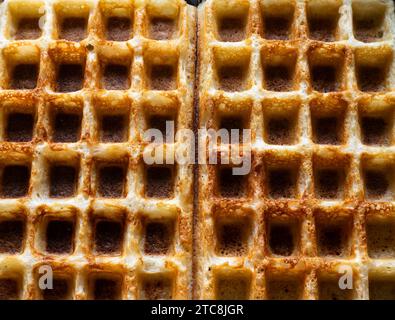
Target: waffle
x,y
80,82
314,81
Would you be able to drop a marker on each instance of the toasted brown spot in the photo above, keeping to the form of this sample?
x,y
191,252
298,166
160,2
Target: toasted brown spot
x,y
159,182
116,77
28,28
231,185
59,236
70,78
107,289
158,237
278,78
24,77
73,29
237,288
111,181
19,127
162,28
60,290
63,181
157,289
281,239
67,127
9,289
163,78
15,182
231,78
371,79
108,237
232,29
113,128
118,29
375,131
12,233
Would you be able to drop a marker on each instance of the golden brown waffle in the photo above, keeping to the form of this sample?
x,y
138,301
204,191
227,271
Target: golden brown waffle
x,y
314,81
80,81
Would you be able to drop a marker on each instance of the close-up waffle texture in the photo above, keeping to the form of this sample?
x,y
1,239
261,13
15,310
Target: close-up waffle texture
x,y
81,81
314,81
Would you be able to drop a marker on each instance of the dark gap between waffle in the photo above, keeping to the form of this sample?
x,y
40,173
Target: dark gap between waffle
x,y
28,28
24,77
280,131
162,77
284,288
232,236
282,238
282,183
12,234
232,288
70,78
116,77
112,180
9,289
232,122
159,182
326,130
108,236
328,289
380,236
381,289
63,181
60,237
231,78
106,289
157,288
278,78
66,127
230,185
118,29
277,27
161,28
158,237
114,128
73,29
232,29
19,127
15,181
60,291
376,183
375,131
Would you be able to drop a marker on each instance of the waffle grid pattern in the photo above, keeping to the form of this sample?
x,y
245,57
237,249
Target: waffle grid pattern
x,y
76,96
314,81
